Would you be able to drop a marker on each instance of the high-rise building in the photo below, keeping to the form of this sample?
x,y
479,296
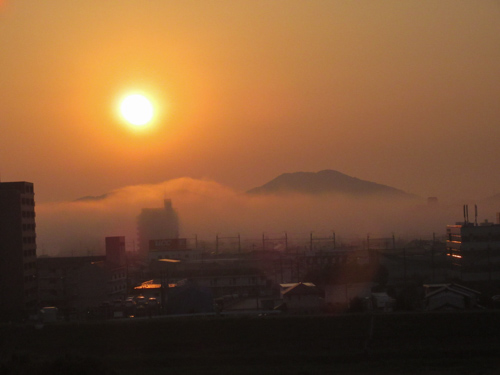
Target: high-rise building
x,y
474,248
157,223
18,283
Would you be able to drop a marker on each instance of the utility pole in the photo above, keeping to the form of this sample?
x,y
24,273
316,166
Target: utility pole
x,y
432,255
282,240
404,264
489,264
298,270
281,269
324,239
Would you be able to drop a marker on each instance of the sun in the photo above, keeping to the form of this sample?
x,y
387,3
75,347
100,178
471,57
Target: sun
x,y
137,109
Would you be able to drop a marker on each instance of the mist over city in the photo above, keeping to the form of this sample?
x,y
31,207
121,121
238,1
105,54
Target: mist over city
x,y
207,209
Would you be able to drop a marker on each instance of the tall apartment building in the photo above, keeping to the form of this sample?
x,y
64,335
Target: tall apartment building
x,y
155,224
474,249
18,282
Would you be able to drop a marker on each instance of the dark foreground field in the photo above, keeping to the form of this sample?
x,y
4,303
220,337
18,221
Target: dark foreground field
x,y
443,343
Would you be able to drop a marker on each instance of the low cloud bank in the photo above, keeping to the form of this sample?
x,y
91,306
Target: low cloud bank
x,y
207,208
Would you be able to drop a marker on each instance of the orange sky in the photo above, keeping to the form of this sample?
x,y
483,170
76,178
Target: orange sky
x,y
404,93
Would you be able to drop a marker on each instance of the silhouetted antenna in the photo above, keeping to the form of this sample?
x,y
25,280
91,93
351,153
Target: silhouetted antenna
x,y
324,240
273,241
475,214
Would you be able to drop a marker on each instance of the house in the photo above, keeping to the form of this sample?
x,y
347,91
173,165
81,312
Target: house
x,y
449,297
301,297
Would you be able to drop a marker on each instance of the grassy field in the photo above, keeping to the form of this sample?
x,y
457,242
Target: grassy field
x,y
438,343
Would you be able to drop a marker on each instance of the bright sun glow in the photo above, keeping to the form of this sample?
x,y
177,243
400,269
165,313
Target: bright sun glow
x,y
137,109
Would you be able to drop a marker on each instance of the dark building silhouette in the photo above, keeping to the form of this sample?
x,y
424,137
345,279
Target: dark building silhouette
x,y
77,285
71,283
474,248
156,223
115,251
18,282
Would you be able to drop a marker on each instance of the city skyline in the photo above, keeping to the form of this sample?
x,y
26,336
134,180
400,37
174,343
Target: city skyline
x,y
402,94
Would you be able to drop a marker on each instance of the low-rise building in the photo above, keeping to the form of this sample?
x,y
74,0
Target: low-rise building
x,y
172,248
302,298
78,284
449,297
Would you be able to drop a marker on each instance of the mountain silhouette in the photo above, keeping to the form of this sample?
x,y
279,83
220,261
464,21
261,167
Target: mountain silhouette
x,y
327,182
92,198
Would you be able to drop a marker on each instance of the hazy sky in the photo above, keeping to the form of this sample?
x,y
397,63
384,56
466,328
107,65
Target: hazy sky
x,y
404,93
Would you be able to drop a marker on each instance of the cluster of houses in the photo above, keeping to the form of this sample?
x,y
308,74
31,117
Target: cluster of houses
x,y
170,276
173,279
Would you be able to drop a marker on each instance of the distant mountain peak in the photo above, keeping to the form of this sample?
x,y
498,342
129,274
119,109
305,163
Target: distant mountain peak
x,y
92,198
326,182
